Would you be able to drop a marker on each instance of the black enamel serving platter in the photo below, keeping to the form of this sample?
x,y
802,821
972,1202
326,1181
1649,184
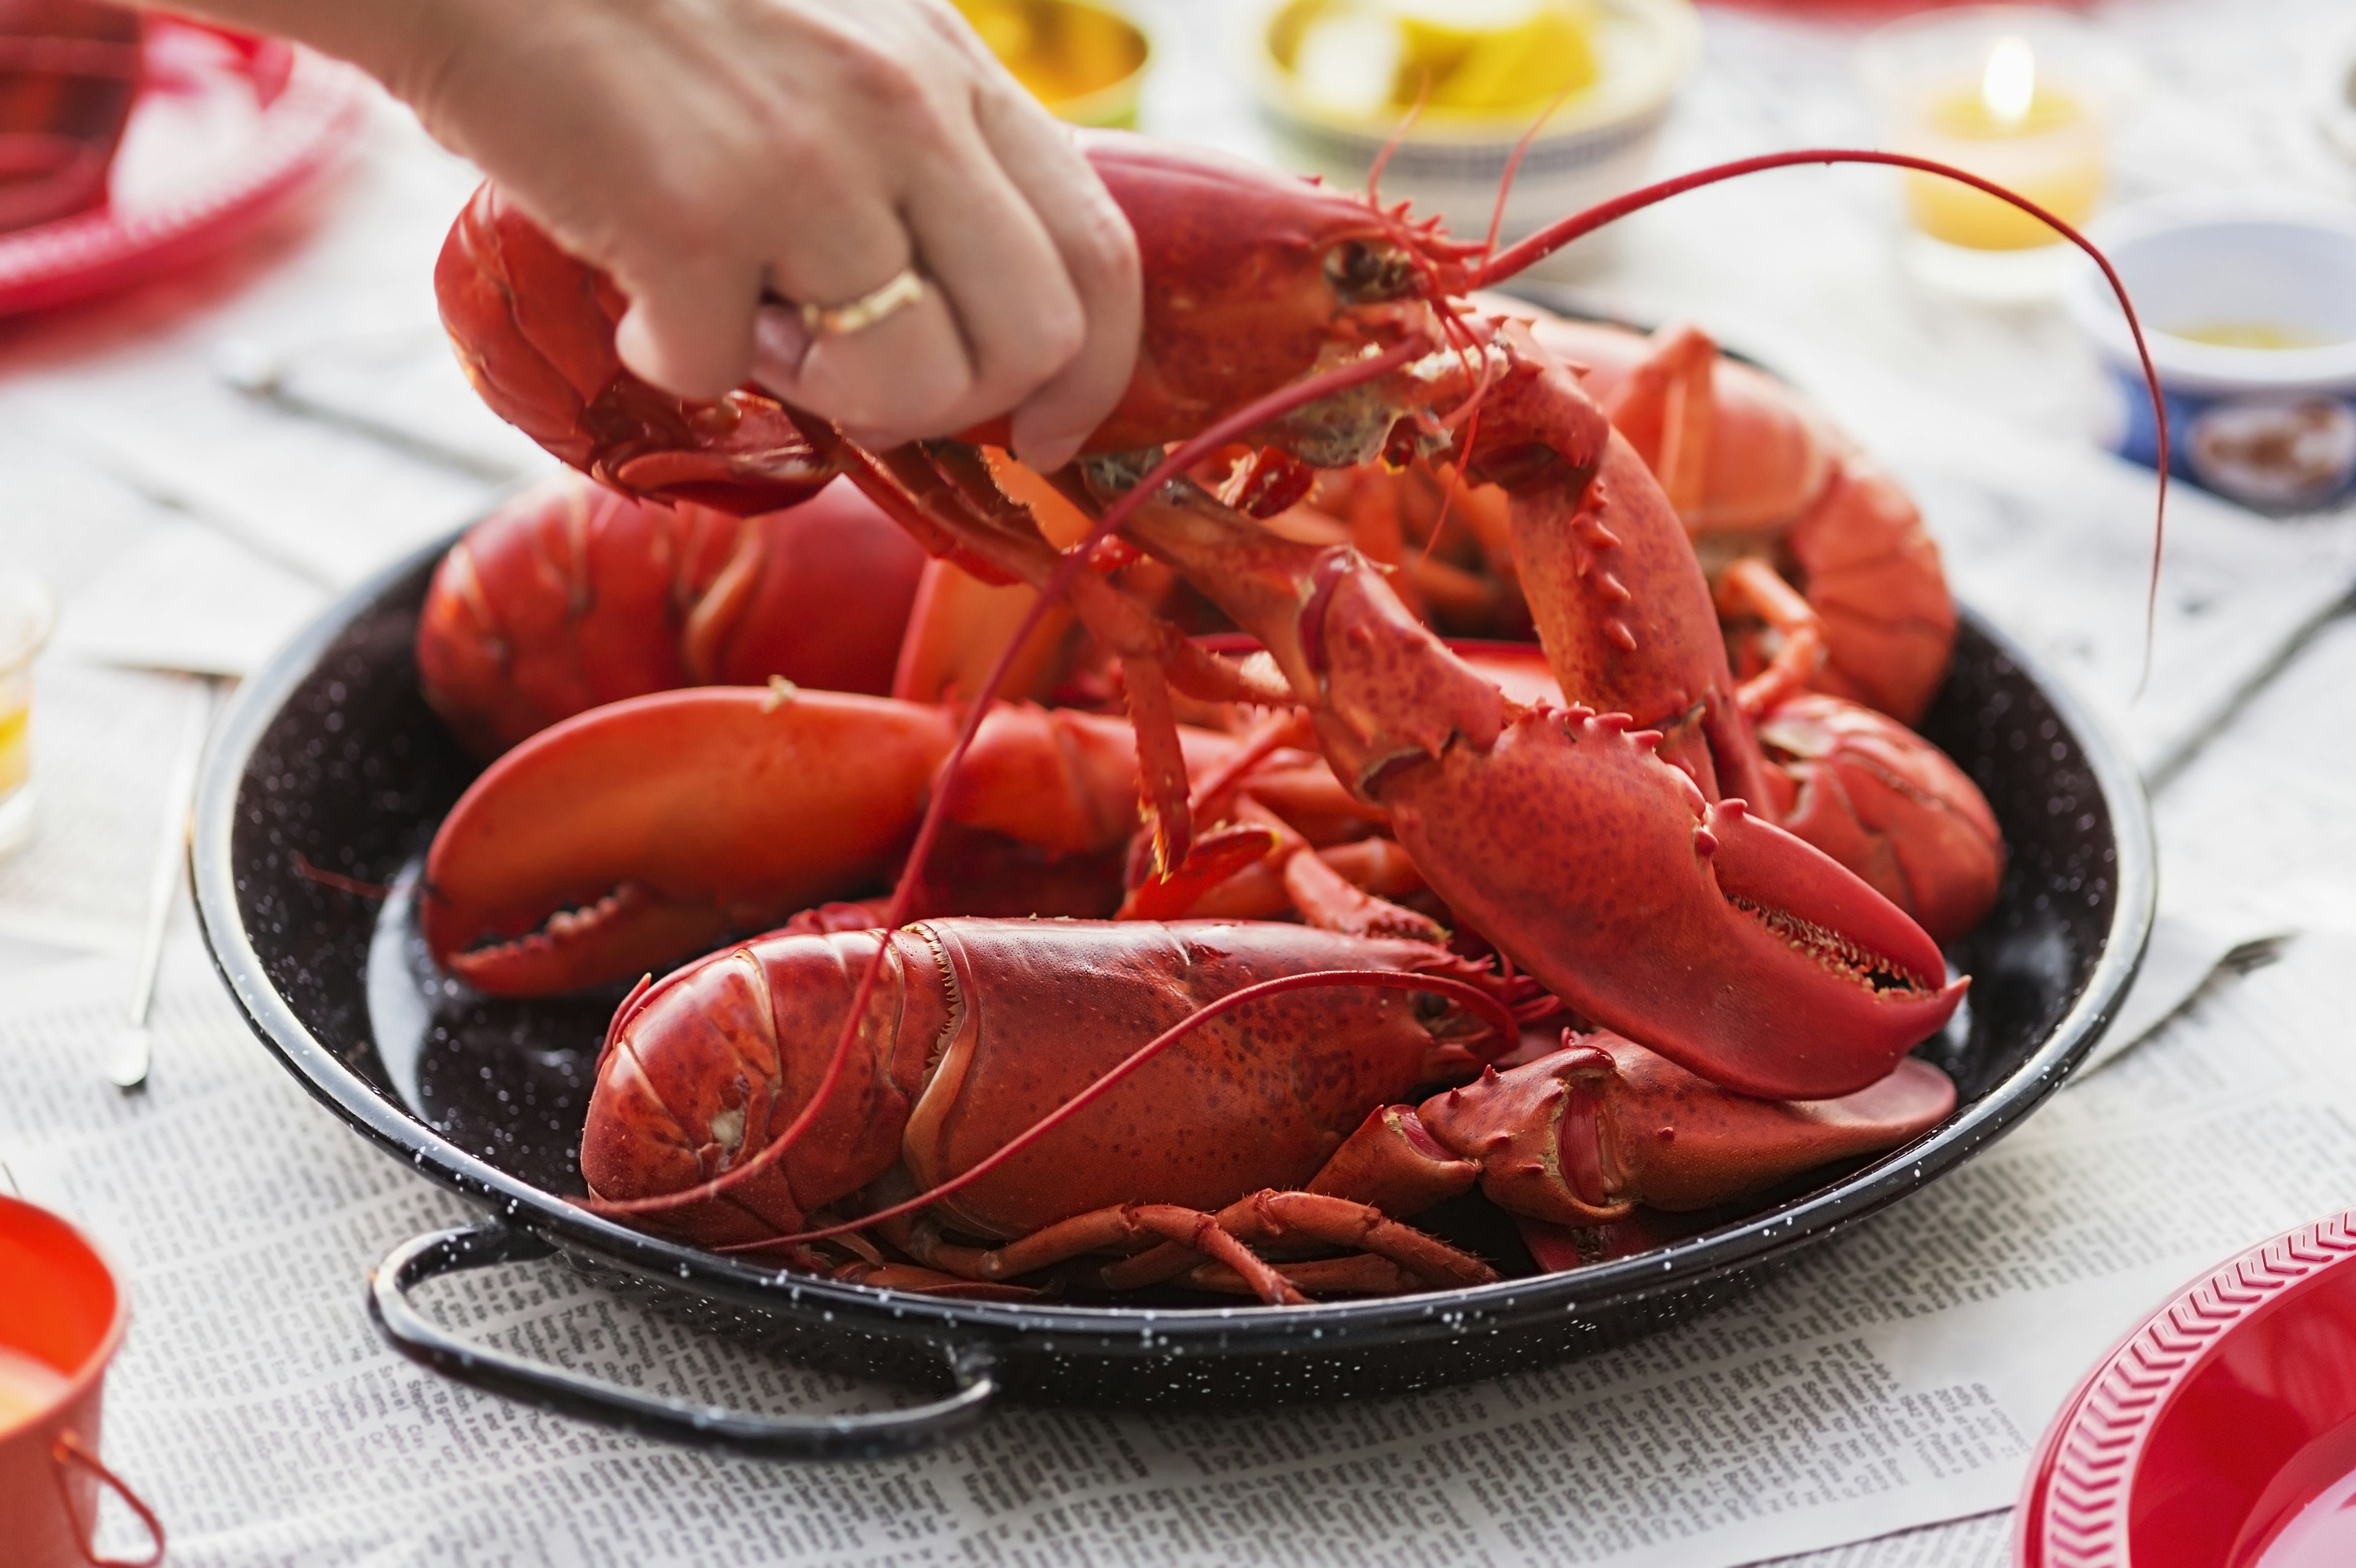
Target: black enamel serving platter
x,y
329,761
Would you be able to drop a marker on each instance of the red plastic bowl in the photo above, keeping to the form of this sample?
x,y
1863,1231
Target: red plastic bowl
x,y
2219,1435
226,127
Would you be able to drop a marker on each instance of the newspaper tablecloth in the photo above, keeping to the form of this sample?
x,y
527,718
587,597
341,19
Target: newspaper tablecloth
x,y
1891,1384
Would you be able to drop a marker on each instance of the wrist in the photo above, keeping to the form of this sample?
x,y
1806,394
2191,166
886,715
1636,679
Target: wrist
x,y
407,45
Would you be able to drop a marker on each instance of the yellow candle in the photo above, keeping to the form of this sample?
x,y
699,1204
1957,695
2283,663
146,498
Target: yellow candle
x,y
28,1388
15,737
2032,136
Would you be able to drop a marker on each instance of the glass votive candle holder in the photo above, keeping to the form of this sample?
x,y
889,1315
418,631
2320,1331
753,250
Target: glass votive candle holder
x,y
26,615
2017,95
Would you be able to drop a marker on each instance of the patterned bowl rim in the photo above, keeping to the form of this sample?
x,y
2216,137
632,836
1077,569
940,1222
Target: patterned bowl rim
x,y
2076,1510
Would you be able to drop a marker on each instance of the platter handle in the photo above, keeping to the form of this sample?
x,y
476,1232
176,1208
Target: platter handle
x,y
488,1242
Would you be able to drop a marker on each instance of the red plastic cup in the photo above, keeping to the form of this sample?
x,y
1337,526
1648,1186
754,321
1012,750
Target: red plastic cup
x,y
61,1320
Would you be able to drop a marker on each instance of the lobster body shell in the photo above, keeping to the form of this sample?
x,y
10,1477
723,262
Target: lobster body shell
x,y
1245,272
572,596
1890,807
975,1030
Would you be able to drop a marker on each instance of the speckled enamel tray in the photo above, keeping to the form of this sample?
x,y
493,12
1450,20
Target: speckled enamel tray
x,y
329,759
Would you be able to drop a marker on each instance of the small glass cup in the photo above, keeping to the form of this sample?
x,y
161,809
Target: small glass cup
x,y
27,614
2017,95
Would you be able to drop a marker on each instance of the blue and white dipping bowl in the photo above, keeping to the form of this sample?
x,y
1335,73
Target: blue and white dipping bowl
x,y
2272,428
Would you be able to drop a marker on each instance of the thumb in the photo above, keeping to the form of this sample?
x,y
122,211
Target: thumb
x,y
688,329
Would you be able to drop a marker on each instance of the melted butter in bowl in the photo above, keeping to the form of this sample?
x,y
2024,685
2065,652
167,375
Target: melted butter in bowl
x,y
2254,333
2250,306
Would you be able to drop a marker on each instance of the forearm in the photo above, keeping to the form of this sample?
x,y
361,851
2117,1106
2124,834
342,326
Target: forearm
x,y
401,42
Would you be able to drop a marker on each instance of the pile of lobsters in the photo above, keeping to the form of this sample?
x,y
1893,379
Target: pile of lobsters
x,y
1421,745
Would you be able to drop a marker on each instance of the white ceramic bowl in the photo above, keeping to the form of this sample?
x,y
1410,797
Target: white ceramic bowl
x,y
2271,427
2335,97
1597,144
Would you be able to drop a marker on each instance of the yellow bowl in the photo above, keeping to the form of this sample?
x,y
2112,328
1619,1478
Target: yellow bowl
x,y
1086,62
1597,144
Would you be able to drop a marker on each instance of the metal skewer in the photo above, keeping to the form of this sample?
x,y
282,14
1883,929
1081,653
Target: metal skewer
x,y
128,1053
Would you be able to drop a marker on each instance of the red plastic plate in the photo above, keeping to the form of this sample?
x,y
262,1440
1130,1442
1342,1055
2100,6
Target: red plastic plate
x,y
224,129
2222,1434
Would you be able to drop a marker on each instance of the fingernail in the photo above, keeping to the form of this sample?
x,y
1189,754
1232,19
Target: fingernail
x,y
1047,453
635,347
780,343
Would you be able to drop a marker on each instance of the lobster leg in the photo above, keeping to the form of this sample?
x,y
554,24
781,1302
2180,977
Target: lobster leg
x,y
1750,586
1291,1218
1123,1225
1360,1274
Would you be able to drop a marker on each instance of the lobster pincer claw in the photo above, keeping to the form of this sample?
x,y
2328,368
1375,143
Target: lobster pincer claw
x,y
1586,1134
637,832
1727,946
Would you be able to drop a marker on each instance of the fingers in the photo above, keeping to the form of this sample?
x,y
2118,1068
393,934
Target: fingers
x,y
999,319
876,138
690,327
1100,256
1001,273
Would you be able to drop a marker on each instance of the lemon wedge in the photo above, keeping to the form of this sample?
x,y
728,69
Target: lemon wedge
x,y
1490,58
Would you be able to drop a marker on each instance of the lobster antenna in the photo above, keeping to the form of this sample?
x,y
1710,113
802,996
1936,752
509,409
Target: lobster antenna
x,y
1187,454
1554,236
1406,123
1512,168
1498,1016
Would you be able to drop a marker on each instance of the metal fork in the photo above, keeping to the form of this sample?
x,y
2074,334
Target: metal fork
x,y
130,1050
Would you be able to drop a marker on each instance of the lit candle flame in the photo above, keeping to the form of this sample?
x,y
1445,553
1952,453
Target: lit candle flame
x,y
2009,85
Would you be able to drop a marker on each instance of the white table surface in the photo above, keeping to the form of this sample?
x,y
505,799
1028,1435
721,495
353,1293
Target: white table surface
x,y
132,477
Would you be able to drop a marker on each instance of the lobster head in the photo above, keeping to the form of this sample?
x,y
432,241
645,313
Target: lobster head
x,y
1253,280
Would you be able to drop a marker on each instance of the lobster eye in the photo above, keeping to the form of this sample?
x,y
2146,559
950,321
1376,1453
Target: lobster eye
x,y
1430,1006
1364,273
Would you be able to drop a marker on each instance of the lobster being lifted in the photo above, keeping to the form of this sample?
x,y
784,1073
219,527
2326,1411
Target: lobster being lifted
x,y
1604,844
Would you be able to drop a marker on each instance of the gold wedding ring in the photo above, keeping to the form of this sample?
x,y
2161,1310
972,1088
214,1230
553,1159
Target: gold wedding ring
x,y
904,288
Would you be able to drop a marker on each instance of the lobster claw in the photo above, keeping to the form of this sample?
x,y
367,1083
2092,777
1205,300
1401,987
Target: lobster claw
x,y
636,834
658,825
1725,944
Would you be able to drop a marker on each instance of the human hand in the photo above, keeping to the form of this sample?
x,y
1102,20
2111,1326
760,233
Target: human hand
x,y
707,152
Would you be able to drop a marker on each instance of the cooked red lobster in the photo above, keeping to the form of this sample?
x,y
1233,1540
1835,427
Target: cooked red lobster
x,y
1596,832
1277,1124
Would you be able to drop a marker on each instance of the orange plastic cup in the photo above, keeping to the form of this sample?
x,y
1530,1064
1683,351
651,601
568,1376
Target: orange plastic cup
x,y
61,1320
